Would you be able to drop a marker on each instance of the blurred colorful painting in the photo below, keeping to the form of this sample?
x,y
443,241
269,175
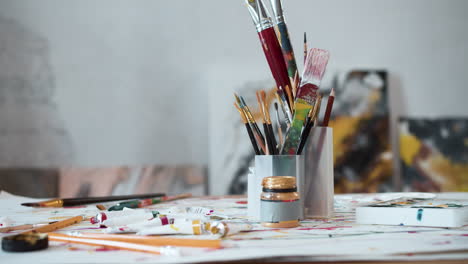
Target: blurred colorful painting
x,y
361,134
118,180
434,154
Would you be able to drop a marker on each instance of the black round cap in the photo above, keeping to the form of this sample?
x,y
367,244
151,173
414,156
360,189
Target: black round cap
x,y
25,242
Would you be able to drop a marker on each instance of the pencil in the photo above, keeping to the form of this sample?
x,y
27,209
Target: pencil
x,y
57,225
144,240
328,110
249,130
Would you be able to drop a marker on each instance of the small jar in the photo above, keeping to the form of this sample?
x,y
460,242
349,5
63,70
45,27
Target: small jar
x,y
279,202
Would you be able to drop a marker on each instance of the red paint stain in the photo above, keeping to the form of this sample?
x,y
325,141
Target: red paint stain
x,y
464,234
412,232
105,249
323,228
241,202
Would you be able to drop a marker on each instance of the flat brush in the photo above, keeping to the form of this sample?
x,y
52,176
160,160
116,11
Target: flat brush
x,y
265,126
89,200
249,130
270,44
286,47
266,108
316,63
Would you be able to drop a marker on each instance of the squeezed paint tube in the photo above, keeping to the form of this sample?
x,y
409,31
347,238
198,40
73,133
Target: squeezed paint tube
x,y
194,227
102,216
196,210
129,219
223,229
136,227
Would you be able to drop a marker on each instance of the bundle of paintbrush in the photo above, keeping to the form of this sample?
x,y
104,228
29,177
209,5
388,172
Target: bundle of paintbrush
x,y
298,97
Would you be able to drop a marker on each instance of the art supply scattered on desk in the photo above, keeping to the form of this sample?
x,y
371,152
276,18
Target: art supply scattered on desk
x,y
166,251
224,229
136,226
36,239
147,202
128,219
415,212
194,227
279,202
142,240
89,200
23,227
296,96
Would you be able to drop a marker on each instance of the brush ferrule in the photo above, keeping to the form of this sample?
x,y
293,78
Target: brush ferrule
x,y
259,14
277,10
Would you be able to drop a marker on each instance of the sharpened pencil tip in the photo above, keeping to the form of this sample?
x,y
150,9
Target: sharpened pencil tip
x,y
276,106
305,37
332,93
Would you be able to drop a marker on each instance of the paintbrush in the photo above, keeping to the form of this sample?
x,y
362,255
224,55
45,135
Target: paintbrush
x,y
249,130
146,202
328,110
240,100
265,127
287,114
286,47
312,117
266,108
89,200
305,47
270,45
316,63
278,126
257,133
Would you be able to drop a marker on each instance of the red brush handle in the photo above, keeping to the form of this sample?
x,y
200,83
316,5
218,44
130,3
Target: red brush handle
x,y
274,56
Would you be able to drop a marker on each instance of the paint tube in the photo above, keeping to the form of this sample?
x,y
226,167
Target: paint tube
x,y
129,219
223,229
194,227
103,216
136,227
195,210
5,221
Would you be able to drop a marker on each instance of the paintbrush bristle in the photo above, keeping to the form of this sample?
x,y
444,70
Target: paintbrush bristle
x,y
31,204
315,65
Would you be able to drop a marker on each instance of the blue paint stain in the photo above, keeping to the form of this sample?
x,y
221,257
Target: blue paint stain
x,y
419,215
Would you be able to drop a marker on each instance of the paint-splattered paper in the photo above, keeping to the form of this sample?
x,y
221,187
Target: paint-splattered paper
x,y
415,212
338,238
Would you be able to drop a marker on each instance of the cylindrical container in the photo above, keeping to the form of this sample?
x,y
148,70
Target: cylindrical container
x,y
280,205
273,165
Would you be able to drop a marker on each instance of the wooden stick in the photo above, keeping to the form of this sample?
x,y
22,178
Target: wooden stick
x,y
144,240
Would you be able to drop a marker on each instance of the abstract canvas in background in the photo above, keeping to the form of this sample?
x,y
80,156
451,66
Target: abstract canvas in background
x,y
434,154
361,134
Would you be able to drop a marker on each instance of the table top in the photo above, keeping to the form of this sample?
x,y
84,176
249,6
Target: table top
x,y
338,239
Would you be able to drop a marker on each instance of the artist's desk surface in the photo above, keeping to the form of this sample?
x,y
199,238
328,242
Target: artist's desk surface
x,y
338,239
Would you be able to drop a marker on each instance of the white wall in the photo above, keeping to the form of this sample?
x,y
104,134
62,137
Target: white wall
x,y
130,76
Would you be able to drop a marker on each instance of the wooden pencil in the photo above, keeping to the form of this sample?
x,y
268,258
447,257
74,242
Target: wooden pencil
x,y
328,110
144,240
